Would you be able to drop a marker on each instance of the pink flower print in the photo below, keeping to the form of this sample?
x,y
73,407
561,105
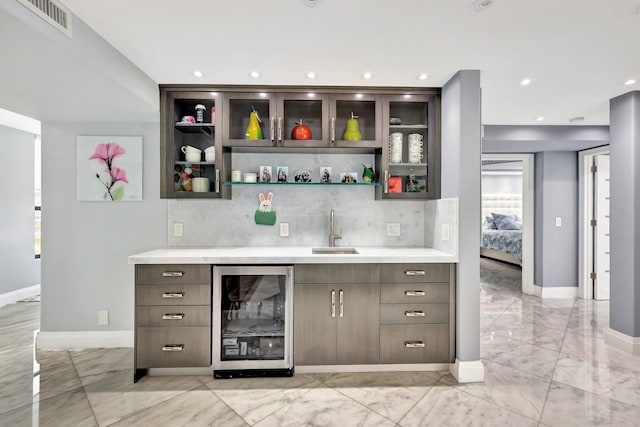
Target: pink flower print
x,y
117,174
107,152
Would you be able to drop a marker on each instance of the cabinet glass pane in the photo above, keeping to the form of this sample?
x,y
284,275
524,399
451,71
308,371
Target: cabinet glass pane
x,y
407,182
366,110
409,113
187,107
253,317
310,111
240,110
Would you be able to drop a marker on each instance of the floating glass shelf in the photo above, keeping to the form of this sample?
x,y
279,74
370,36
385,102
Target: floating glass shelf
x,y
353,184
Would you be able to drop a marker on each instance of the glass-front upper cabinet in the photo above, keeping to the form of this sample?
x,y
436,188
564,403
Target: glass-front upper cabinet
x,y
410,157
355,120
192,161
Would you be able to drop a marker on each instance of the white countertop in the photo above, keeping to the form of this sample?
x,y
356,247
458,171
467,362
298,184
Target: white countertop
x,y
289,255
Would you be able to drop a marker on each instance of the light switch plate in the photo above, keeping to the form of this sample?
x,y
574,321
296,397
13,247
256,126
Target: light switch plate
x,y
393,229
558,221
446,236
178,229
284,229
103,317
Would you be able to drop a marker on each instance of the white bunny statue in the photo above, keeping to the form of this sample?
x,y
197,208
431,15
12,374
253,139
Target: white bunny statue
x,y
265,203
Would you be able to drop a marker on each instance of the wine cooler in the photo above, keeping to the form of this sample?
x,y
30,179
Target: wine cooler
x,y
253,325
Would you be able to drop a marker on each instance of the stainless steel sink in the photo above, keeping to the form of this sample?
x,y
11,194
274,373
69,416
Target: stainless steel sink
x,y
338,251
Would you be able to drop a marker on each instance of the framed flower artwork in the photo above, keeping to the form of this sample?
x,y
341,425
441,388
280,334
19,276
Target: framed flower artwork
x,y
109,168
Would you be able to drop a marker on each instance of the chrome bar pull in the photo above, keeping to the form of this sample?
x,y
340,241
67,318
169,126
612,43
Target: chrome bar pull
x,y
279,129
333,130
414,344
173,347
341,303
172,294
415,313
173,316
385,186
273,130
415,273
172,273
333,303
217,188
415,293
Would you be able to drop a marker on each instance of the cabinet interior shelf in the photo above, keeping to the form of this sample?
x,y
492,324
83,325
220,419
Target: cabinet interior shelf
x,y
206,128
194,163
353,184
408,127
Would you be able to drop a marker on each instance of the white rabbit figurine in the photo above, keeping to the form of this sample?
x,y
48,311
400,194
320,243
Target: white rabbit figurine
x,y
265,204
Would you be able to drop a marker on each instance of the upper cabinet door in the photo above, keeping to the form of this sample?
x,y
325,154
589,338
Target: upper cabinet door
x,y
356,120
302,120
245,111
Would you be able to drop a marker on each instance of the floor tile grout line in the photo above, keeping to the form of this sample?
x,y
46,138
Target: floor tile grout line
x,y
84,390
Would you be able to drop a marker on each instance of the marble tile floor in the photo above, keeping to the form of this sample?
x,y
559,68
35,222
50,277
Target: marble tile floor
x,y
546,364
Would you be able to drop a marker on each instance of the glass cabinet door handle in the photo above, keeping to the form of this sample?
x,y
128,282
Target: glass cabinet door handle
x,y
341,303
173,347
217,188
414,344
273,130
414,293
333,303
333,130
386,182
279,129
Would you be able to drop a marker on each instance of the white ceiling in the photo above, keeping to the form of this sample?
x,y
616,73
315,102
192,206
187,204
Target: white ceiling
x,y
578,53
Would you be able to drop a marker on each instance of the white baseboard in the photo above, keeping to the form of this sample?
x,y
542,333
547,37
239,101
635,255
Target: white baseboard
x,y
18,294
468,371
83,339
560,292
622,341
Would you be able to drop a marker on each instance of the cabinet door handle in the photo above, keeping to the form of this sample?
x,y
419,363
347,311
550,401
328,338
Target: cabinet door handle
x,y
414,313
386,182
333,130
217,188
173,347
173,295
415,273
341,303
414,344
172,273
273,130
173,316
414,293
333,303
279,129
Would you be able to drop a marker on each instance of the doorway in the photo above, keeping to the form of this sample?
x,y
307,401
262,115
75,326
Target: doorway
x,y
527,161
593,237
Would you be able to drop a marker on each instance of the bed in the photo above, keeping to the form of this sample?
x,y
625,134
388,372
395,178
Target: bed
x,y
501,241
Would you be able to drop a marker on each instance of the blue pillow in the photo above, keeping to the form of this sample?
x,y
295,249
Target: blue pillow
x,y
505,222
491,225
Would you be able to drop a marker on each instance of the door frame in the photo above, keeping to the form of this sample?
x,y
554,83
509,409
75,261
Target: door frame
x,y
528,218
585,205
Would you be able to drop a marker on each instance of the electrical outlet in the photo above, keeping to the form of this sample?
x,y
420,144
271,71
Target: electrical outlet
x,y
103,317
284,229
393,229
178,229
444,228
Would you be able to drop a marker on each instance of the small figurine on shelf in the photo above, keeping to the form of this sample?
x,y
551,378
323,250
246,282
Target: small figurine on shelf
x,y
253,130
187,175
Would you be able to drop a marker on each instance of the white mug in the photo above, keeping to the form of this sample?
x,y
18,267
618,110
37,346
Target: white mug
x,y
395,150
189,149
415,157
210,156
192,157
250,177
200,184
415,137
236,175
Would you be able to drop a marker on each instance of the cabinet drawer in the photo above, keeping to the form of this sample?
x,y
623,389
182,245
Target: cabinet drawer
x,y
414,344
414,273
173,347
173,273
413,313
415,293
174,315
173,294
337,273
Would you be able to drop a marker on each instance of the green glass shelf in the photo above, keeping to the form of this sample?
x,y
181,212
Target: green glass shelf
x,y
354,184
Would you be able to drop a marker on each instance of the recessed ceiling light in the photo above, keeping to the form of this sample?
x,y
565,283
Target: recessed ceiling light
x,y
630,82
198,73
263,94
479,5
214,93
539,118
407,95
525,82
367,75
254,74
311,75
574,120
358,95
423,76
311,94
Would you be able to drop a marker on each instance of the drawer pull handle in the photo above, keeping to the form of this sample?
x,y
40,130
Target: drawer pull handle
x,y
172,273
173,295
414,293
173,316
414,344
415,273
173,347
415,313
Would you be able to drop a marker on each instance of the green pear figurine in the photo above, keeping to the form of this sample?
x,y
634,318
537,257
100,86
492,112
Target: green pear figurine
x,y
353,129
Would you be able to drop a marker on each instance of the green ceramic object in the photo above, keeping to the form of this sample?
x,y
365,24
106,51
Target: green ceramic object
x,y
265,218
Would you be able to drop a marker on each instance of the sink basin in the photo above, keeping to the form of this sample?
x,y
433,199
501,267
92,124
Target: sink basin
x,y
330,251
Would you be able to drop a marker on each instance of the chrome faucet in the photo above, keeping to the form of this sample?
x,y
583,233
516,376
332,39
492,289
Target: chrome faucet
x,y
332,235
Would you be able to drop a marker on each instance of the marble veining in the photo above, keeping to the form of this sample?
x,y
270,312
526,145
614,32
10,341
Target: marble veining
x,y
546,364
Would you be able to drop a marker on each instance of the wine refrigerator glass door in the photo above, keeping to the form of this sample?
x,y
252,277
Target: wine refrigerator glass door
x,y
252,312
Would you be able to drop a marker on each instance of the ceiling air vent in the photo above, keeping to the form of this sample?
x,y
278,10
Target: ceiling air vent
x,y
52,11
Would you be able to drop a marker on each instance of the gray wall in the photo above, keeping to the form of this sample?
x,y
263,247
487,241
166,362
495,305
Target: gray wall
x,y
625,214
556,195
85,245
461,159
19,267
